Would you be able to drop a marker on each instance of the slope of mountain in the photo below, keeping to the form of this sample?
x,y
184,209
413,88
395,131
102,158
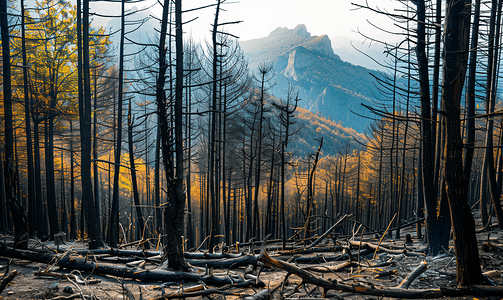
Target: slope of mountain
x,y
325,83
310,128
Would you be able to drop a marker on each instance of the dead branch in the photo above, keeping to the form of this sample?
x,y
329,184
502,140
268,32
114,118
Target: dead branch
x,y
264,294
413,275
368,289
73,296
197,291
332,268
328,231
378,248
327,258
67,276
225,263
7,279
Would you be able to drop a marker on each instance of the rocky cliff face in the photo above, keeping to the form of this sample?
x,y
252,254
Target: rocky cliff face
x,y
326,84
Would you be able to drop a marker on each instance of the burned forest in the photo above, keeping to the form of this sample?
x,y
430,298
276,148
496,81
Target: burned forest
x,y
142,161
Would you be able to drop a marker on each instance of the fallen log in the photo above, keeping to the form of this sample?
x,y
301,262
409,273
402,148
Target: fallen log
x,y
367,289
303,250
205,255
225,263
114,252
332,268
151,254
197,292
147,275
83,264
380,248
327,258
126,260
73,296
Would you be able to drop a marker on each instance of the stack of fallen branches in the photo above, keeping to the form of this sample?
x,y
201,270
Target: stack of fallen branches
x,y
74,261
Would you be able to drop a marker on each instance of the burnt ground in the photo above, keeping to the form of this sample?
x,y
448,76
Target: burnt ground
x,y
440,273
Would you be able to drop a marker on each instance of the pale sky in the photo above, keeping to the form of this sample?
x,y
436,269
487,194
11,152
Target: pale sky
x,y
260,17
338,19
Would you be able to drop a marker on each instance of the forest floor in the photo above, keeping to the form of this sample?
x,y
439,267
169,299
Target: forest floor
x,y
440,273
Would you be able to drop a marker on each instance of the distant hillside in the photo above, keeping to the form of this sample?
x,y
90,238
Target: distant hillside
x,y
325,83
312,127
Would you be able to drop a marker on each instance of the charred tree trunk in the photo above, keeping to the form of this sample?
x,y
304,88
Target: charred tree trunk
x,y
470,94
212,170
457,28
49,168
92,218
492,74
18,214
310,193
134,182
29,152
436,236
73,217
173,211
113,234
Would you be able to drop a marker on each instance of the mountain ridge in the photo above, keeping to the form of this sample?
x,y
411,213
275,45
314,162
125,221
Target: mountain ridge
x,y
325,83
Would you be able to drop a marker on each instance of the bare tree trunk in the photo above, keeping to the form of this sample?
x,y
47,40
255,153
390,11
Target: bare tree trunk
x,y
96,175
310,193
113,234
174,210
136,197
212,169
49,168
29,152
457,28
269,209
492,75
18,214
92,219
436,236
470,93
73,217
264,70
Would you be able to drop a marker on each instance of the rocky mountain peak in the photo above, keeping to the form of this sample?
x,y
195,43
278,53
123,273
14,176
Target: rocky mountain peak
x,y
299,30
282,41
325,83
